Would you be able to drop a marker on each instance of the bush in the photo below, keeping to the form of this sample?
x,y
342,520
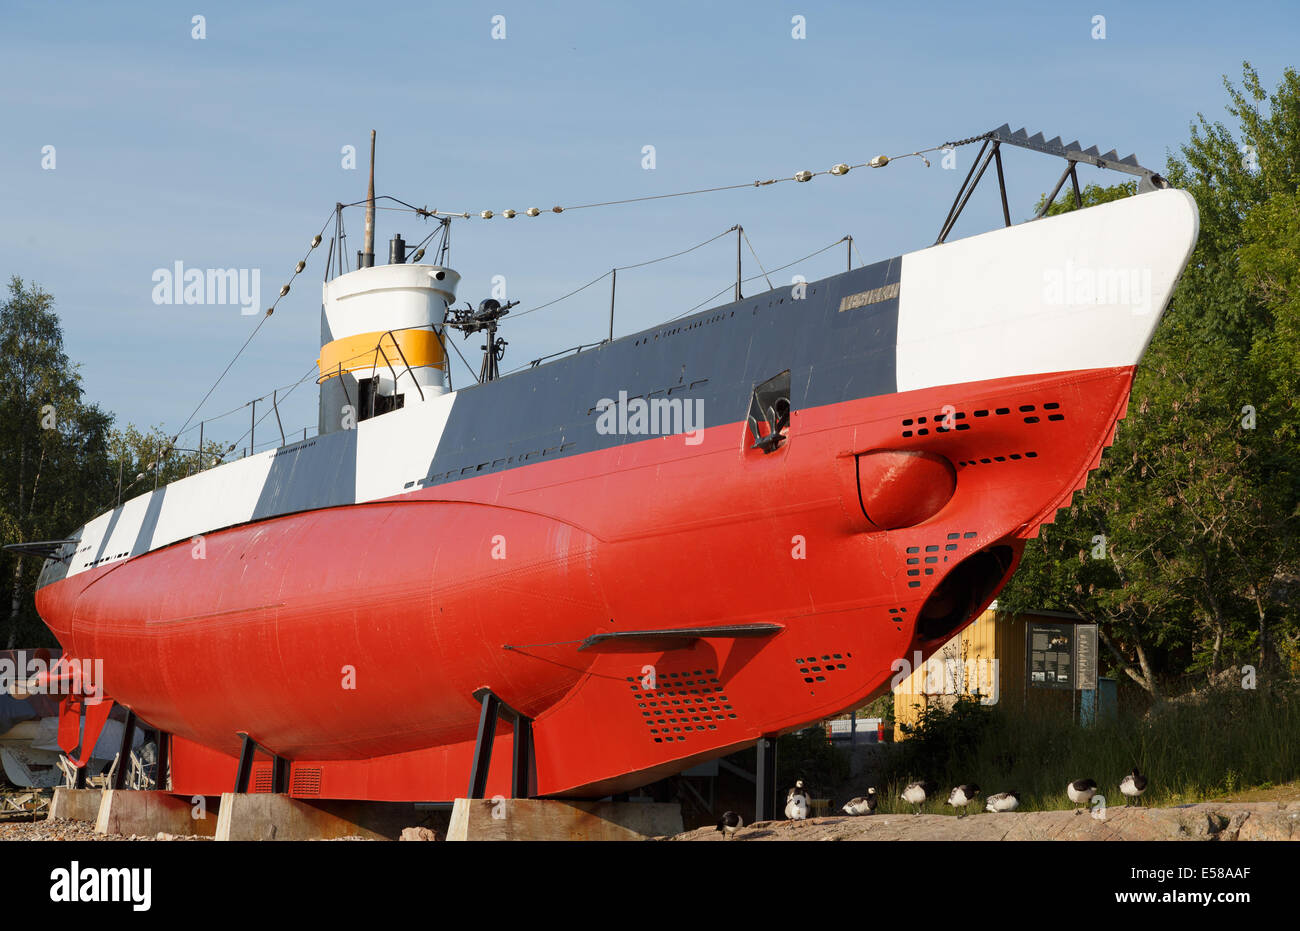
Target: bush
x,y
1207,745
809,756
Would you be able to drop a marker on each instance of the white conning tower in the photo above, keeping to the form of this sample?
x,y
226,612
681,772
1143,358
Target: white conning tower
x,y
381,340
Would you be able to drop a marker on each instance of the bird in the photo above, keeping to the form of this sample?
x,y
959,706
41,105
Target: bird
x,y
916,793
730,824
962,796
796,807
1132,786
797,790
1002,801
863,804
1081,792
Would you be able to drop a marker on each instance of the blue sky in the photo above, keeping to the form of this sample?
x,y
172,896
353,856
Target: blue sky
x,y
226,151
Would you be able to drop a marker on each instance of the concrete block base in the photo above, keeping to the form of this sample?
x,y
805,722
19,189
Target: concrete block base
x,y
558,819
75,804
129,811
262,816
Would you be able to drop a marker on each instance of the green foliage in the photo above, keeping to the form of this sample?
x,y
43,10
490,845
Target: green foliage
x,y
1232,177
1093,194
1199,498
60,459
1270,267
944,742
145,459
808,755
881,707
1191,750
53,448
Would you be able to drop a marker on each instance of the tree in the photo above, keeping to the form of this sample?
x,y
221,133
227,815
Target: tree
x,y
61,463
143,460
1093,194
1182,543
53,446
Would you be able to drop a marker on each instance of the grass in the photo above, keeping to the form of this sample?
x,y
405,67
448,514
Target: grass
x,y
1289,792
1222,744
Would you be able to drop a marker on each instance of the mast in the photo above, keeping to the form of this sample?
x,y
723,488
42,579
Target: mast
x,y
368,246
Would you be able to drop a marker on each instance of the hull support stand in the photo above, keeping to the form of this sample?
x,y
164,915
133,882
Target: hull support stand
x,y
164,744
492,708
246,750
124,751
279,767
280,776
765,780
522,772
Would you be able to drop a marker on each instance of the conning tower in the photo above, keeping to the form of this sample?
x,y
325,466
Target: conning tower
x,y
382,340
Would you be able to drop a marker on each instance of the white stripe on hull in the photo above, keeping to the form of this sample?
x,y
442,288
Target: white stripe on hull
x,y
392,450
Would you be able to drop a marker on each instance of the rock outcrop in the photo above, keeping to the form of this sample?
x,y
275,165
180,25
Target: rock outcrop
x,y
1221,821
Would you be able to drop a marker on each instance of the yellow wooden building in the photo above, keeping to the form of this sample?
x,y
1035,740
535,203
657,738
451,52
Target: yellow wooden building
x,y
987,659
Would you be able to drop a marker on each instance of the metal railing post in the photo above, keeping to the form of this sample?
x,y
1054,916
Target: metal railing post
x,y
613,287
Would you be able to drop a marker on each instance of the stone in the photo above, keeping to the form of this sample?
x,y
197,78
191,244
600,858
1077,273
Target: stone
x,y
560,819
1207,821
418,834
147,814
266,816
75,804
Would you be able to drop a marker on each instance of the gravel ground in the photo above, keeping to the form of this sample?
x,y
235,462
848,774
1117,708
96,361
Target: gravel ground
x,y
84,830
15,827
72,830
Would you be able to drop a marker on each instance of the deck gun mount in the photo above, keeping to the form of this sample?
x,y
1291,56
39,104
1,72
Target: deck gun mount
x,y
468,320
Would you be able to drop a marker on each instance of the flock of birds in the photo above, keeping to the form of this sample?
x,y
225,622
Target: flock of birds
x,y
1081,792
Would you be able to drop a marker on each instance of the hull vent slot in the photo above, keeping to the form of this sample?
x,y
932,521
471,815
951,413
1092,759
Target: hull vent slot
x,y
682,704
261,778
818,667
305,781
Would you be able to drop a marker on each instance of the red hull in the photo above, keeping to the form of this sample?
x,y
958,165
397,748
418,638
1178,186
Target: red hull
x,y
404,596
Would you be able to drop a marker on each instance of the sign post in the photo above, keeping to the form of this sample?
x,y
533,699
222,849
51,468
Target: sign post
x,y
1085,652
1064,656
1051,655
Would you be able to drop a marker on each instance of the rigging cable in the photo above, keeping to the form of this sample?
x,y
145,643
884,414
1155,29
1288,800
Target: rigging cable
x,y
732,284
756,258
622,268
452,344
302,264
839,170
235,445
803,176
565,297
711,297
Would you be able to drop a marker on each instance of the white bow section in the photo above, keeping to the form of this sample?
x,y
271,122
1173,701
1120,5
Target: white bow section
x,y
1081,290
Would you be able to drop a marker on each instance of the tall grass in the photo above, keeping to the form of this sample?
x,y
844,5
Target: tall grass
x,y
1194,749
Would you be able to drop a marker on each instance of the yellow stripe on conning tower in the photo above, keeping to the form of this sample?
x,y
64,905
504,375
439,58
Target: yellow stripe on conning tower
x,y
416,348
